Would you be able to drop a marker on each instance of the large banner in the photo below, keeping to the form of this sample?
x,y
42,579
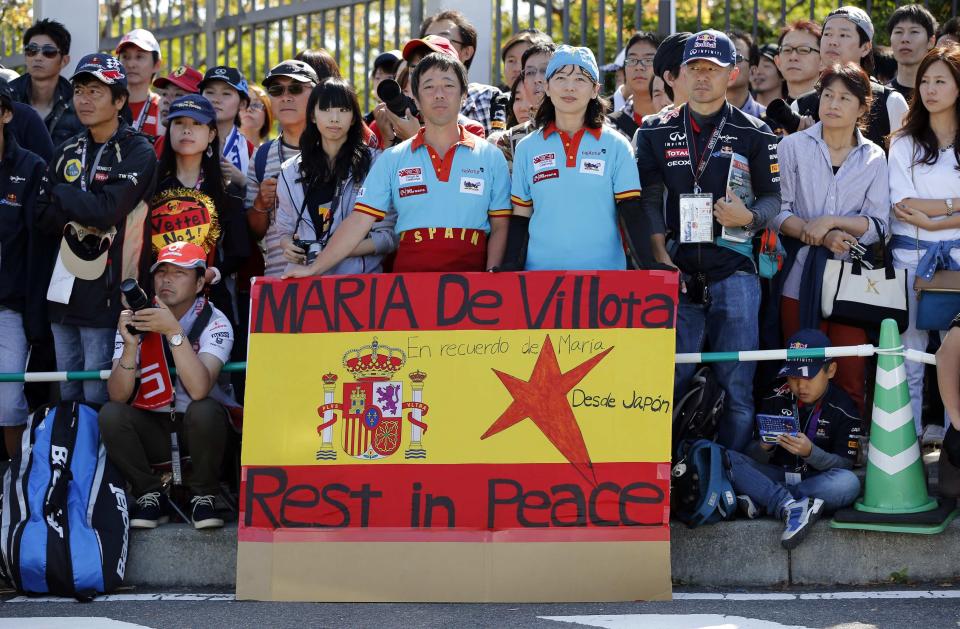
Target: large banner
x,y
458,437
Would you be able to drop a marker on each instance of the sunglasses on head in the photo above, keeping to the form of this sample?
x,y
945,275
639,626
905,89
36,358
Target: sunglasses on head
x,y
48,50
294,89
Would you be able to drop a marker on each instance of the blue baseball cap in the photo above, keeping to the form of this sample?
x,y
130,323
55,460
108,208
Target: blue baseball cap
x,y
805,367
103,67
710,45
193,106
574,56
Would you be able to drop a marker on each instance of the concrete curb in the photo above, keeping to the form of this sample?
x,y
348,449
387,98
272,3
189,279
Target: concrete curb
x,y
176,555
743,553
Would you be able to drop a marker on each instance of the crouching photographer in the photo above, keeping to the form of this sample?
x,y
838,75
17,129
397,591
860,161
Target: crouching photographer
x,y
148,420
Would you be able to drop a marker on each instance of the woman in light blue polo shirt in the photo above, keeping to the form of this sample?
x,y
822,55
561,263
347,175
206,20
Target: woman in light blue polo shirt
x,y
574,180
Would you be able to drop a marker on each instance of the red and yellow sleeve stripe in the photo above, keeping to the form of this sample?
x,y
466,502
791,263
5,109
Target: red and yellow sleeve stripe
x,y
506,212
626,194
521,202
371,211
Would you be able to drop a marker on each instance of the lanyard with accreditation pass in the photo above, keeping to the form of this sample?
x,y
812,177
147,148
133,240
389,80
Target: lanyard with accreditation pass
x,y
696,210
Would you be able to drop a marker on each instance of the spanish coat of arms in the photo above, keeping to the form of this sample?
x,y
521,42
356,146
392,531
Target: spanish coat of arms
x,y
372,406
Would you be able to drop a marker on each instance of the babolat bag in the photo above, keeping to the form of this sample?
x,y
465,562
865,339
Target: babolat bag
x,y
700,488
65,527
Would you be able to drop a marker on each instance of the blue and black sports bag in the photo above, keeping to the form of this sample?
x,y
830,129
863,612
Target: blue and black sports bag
x,y
65,528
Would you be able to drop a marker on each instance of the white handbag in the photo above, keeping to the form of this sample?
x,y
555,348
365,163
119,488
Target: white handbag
x,y
855,295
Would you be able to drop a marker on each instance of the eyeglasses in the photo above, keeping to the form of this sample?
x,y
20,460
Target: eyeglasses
x,y
532,73
255,107
629,62
49,51
800,50
294,89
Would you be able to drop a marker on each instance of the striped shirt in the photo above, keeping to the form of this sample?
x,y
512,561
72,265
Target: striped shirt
x,y
277,153
809,189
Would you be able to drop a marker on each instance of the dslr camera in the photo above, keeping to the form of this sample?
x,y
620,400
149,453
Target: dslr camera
x,y
396,101
136,299
310,247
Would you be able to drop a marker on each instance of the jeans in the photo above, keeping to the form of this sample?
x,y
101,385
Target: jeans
x,y
728,324
766,485
14,352
83,349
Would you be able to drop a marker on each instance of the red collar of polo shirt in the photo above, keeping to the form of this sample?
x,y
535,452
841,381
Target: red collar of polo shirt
x,y
571,145
442,165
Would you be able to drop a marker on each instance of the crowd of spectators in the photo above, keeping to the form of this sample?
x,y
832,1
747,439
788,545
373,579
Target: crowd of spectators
x,y
192,183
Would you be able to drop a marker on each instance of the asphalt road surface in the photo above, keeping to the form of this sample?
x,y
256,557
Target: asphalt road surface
x,y
794,608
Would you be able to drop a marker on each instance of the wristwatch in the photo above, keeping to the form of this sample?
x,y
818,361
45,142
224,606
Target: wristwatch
x,y
949,203
176,340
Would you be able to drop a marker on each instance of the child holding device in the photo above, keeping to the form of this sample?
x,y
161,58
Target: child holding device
x,y
806,470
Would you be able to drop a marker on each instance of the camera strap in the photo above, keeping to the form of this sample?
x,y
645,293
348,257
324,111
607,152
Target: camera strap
x,y
319,233
199,324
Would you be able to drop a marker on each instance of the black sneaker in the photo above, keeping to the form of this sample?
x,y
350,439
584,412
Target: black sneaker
x,y
150,510
203,515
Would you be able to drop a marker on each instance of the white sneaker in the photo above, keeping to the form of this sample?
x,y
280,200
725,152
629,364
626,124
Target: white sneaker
x,y
932,435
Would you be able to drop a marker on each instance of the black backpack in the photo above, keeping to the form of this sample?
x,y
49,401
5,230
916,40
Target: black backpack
x,y
65,527
697,414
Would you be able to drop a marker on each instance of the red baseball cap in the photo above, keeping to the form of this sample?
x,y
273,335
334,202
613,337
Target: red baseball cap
x,y
184,77
434,42
183,254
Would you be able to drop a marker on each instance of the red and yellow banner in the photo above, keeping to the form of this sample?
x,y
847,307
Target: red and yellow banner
x,y
509,434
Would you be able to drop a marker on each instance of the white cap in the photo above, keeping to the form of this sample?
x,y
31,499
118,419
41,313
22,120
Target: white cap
x,y
142,39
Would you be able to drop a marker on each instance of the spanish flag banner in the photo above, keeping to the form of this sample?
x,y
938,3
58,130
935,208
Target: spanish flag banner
x,y
458,437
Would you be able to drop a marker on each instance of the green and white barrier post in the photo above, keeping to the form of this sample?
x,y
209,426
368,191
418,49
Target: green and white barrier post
x,y
895,498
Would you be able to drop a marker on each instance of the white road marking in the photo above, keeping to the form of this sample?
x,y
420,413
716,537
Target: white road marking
x,y
677,596
816,596
115,598
671,621
67,623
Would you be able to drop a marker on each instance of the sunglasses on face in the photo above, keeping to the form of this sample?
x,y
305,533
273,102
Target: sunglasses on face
x,y
294,89
47,50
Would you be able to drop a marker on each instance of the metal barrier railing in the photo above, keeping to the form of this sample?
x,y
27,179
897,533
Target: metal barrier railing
x,y
692,358
256,34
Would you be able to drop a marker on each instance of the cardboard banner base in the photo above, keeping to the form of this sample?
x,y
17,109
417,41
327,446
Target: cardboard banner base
x,y
435,572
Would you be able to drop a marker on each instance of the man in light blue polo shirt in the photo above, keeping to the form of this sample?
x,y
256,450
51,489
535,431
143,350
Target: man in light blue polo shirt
x,y
450,189
574,178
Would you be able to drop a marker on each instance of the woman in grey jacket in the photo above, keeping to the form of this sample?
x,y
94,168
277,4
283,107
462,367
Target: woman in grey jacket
x,y
317,189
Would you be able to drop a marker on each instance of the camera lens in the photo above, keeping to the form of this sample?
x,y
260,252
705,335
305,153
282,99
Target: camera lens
x,y
136,298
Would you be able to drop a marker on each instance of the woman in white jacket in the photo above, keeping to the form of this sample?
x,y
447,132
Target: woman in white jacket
x,y
317,189
924,189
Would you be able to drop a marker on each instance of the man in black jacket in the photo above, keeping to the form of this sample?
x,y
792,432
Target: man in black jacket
x,y
22,316
92,207
46,46
687,152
